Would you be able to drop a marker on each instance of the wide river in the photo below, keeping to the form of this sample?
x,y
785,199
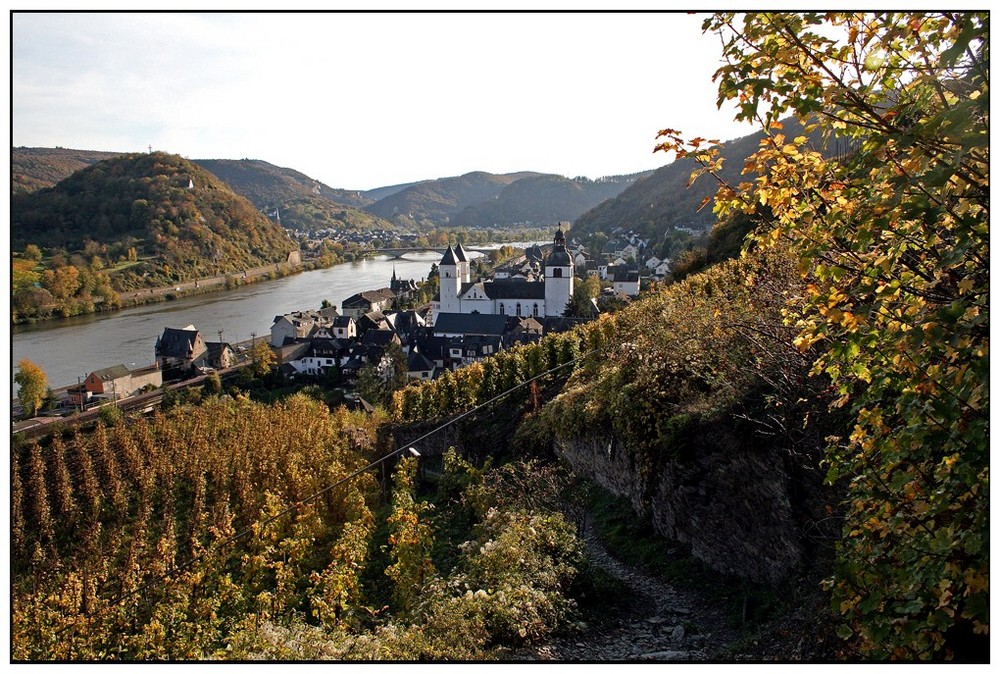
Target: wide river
x,y
74,347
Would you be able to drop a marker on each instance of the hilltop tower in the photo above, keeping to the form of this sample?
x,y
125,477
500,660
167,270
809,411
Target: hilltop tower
x,y
558,277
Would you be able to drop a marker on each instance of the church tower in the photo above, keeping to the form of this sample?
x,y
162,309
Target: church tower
x,y
464,268
450,270
558,277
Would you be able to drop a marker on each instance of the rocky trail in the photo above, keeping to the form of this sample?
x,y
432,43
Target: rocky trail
x,y
660,623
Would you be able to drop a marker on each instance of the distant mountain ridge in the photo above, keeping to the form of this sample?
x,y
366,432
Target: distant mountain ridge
x,y
543,199
298,201
33,168
476,199
437,201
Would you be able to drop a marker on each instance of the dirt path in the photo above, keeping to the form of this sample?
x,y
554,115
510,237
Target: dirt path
x,y
662,624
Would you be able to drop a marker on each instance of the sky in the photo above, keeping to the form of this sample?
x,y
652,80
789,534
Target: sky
x,y
365,100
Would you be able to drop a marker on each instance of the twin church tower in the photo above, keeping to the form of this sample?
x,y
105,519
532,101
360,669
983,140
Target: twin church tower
x,y
510,297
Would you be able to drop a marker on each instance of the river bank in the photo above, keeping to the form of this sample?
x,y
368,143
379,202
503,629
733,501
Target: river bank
x,y
70,348
200,286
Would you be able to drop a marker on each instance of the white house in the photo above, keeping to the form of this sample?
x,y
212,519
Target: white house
x,y
627,282
344,327
299,325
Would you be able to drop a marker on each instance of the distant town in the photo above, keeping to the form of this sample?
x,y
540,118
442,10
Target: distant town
x,y
517,301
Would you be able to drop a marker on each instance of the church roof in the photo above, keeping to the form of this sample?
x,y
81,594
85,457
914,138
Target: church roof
x,y
449,257
509,289
469,324
460,254
558,258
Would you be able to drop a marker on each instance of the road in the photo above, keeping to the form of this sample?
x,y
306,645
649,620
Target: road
x,y
209,282
38,426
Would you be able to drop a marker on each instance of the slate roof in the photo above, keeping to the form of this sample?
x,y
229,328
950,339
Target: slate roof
x,y
418,362
449,257
216,349
176,342
378,338
368,297
470,324
460,254
509,289
111,373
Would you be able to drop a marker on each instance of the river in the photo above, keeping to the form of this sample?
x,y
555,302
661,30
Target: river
x,y
72,348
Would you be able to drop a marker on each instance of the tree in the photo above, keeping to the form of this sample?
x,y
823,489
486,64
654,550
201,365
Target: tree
x,y
33,253
891,224
32,386
583,293
262,358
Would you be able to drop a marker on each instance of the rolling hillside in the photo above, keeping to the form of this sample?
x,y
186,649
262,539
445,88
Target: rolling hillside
x,y
436,202
170,216
301,202
662,201
543,199
33,168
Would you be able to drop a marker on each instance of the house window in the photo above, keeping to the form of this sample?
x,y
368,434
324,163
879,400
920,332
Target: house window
x,y
503,311
557,273
518,308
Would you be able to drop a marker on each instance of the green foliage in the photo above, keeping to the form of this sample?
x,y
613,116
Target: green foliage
x,y
894,234
411,539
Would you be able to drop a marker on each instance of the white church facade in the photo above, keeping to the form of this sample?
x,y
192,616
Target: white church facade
x,y
510,297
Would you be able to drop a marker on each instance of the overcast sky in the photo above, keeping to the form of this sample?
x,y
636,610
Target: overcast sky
x,y
366,100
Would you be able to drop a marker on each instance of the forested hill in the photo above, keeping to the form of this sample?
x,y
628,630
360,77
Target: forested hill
x,y
33,168
179,219
435,202
543,199
663,200
301,202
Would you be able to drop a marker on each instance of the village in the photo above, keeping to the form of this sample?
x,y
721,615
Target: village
x,y
516,302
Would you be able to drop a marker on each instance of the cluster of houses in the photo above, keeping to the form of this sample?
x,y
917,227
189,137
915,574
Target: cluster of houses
x,y
179,353
113,383
624,261
469,319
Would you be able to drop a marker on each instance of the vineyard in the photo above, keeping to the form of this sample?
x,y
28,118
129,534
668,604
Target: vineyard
x,y
185,537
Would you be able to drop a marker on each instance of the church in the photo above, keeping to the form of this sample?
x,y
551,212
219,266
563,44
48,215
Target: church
x,y
507,297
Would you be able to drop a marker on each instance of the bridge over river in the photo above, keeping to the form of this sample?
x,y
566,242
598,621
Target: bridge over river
x,y
398,253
